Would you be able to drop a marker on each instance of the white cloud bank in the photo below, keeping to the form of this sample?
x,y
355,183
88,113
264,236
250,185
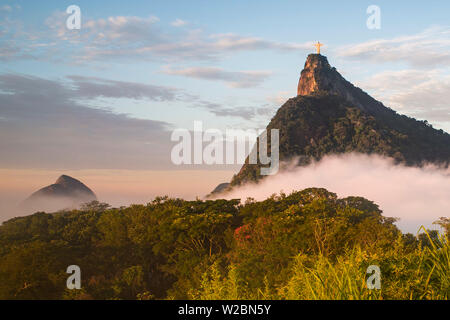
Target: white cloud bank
x,y
418,196
428,48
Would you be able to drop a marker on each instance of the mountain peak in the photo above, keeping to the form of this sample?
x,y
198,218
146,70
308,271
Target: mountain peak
x,y
319,76
332,116
66,192
66,180
316,60
314,74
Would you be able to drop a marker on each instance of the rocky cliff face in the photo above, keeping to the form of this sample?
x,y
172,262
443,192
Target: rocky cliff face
x,y
318,76
315,71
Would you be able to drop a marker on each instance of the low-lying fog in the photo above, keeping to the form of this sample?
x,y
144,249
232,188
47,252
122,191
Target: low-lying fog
x,y
418,196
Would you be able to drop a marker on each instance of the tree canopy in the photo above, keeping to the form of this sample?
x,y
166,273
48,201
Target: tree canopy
x,y
224,249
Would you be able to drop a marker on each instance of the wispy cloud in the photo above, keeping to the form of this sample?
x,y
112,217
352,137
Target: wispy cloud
x,y
423,94
423,91
235,79
45,126
91,87
428,48
192,45
179,23
280,97
120,29
128,37
243,112
418,196
6,8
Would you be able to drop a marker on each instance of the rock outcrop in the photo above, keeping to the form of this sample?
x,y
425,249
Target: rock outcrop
x,y
65,193
318,76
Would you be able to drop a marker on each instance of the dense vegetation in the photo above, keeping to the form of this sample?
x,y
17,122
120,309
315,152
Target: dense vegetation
x,y
322,124
306,245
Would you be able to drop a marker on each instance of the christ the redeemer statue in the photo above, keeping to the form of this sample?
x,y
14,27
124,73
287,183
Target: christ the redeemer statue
x,y
318,45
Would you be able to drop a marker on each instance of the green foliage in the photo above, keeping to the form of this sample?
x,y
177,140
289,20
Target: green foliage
x,y
216,286
309,244
437,260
